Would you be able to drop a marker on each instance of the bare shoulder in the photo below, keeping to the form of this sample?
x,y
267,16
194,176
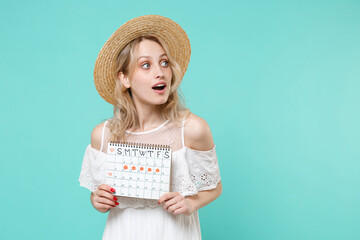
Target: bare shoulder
x,y
96,136
197,133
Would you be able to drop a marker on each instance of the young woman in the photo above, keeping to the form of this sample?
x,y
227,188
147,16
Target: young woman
x,y
139,70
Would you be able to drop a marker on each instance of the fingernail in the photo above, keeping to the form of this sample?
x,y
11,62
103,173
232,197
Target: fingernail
x,y
113,190
116,203
115,198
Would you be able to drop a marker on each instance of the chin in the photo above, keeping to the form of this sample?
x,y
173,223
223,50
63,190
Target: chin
x,y
162,100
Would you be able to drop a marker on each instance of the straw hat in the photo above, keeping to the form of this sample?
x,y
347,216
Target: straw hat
x,y
161,27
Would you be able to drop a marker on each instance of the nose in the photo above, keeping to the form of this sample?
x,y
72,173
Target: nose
x,y
158,71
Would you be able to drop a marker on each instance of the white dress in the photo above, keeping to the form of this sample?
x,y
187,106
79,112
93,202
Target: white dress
x,y
191,171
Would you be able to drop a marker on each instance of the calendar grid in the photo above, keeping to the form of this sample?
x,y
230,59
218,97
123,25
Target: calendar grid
x,y
139,170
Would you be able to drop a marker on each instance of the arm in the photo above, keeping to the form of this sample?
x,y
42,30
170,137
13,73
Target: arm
x,y
203,198
197,136
102,199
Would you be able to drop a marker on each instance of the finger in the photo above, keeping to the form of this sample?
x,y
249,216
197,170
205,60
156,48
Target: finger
x,y
106,188
182,210
107,195
103,206
167,196
105,201
172,201
176,206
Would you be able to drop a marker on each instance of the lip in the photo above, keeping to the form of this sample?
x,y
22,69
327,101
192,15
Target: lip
x,y
162,82
161,91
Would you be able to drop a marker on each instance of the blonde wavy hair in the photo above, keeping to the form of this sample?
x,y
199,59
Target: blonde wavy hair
x,y
125,114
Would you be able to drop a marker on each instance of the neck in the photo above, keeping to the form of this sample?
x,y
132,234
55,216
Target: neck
x,y
149,117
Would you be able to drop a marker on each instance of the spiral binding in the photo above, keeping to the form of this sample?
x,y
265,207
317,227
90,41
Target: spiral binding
x,y
141,145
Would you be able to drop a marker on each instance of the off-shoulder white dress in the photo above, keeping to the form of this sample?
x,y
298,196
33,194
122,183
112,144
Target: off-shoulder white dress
x,y
192,171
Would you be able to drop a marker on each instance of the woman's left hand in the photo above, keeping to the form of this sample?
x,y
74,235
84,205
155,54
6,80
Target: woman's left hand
x,y
175,203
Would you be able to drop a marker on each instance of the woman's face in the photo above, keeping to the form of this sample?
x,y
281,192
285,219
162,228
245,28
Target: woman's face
x,y
151,75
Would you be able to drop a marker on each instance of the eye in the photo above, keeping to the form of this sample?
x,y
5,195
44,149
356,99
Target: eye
x,y
165,63
145,65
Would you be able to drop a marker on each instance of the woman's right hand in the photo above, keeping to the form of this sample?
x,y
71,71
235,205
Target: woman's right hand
x,y
103,199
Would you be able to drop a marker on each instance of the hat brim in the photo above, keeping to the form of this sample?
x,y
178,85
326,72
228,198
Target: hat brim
x,y
154,25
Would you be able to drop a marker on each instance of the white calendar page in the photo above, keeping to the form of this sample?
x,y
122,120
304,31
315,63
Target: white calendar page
x,y
139,171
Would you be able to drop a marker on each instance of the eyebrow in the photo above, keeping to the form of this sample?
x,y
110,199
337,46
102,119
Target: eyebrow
x,y
150,57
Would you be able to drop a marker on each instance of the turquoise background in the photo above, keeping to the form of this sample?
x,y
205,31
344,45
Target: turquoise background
x,y
277,81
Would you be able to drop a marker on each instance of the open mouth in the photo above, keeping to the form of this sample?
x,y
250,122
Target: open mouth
x,y
159,87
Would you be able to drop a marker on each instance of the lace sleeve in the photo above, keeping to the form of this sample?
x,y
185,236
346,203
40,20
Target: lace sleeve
x,y
203,168
93,169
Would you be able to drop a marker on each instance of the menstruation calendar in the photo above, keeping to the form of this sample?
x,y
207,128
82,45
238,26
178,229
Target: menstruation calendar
x,y
138,170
